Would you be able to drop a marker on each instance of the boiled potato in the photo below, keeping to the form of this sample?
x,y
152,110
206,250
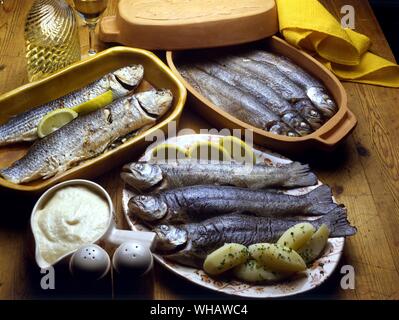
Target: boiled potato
x,y
315,245
277,258
225,258
252,271
297,236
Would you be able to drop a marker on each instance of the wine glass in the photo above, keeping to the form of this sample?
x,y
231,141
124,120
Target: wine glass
x,y
91,10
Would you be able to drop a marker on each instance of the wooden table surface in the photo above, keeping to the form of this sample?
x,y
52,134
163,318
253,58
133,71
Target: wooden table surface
x,y
363,172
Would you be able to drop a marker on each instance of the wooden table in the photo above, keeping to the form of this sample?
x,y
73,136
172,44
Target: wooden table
x,y
363,172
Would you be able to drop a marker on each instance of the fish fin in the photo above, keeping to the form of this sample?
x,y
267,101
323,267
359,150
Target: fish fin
x,y
337,221
300,176
186,256
321,201
7,175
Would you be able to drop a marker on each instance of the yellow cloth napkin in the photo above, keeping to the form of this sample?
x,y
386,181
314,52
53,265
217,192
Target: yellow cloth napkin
x,y
308,25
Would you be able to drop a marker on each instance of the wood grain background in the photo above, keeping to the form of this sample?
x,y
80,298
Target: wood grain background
x,y
363,172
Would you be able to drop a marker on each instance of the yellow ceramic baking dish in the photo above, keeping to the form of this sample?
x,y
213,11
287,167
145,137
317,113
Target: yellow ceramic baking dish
x,y
157,74
327,137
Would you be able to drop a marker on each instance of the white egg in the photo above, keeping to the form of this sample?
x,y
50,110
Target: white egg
x,y
132,258
90,262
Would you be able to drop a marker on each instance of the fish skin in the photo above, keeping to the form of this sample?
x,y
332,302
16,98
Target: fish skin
x,y
278,82
23,127
190,244
144,176
235,102
315,90
266,95
86,137
197,203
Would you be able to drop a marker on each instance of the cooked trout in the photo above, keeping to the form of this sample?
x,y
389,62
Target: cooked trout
x,y
23,127
315,90
190,244
236,102
145,176
88,136
198,203
264,94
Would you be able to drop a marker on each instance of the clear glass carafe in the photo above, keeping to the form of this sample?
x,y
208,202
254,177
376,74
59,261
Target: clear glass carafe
x,y
51,38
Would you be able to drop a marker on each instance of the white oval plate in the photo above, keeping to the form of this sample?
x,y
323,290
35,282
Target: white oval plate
x,y
313,277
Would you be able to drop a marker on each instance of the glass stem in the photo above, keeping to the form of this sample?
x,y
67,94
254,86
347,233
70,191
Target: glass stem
x,y
92,36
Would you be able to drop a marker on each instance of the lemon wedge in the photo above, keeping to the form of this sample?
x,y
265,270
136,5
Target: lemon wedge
x,y
94,104
210,151
238,149
54,120
168,151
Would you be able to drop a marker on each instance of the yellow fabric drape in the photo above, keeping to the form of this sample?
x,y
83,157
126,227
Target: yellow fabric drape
x,y
308,25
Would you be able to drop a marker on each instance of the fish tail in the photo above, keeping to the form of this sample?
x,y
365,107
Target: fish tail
x,y
337,221
320,200
5,136
10,175
300,176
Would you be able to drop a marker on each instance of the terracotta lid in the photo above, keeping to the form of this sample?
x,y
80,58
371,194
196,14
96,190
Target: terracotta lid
x,y
189,24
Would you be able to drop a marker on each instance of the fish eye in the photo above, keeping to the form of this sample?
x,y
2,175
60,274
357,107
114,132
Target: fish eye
x,y
139,166
314,113
303,125
164,228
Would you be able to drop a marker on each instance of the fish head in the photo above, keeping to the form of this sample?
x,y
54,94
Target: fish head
x,y
156,103
141,176
309,113
282,129
126,79
148,208
297,123
169,237
322,101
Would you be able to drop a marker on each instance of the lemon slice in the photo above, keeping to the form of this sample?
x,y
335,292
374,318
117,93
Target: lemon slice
x,y
210,151
238,149
168,151
54,120
94,104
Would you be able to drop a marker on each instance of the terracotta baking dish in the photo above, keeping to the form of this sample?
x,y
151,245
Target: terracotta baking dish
x,y
157,74
327,137
182,24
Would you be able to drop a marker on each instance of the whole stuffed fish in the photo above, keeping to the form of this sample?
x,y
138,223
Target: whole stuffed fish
x,y
88,136
236,102
189,244
144,176
23,127
198,203
267,96
314,89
